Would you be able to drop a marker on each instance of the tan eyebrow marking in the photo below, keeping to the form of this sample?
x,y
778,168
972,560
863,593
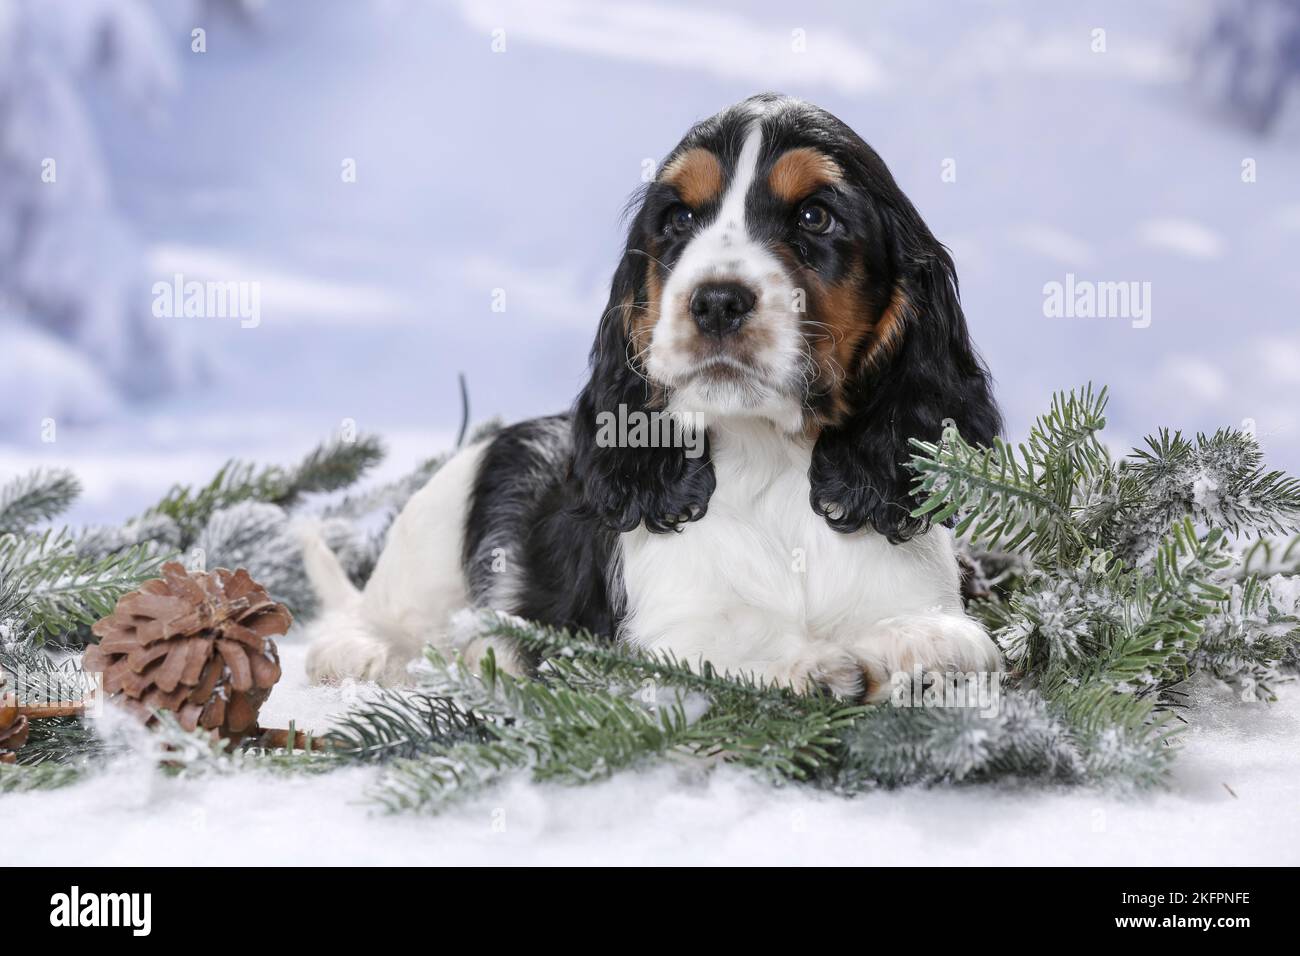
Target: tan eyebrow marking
x,y
800,171
697,176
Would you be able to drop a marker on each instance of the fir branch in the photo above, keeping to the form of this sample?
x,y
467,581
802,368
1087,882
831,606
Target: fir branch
x,y
764,728
743,720
37,677
1064,443
430,781
33,675
329,467
1169,607
19,778
1019,497
619,661
1059,616
998,497
1218,481
1073,740
234,481
1121,739
557,733
895,746
49,589
596,730
1251,640
1269,556
175,751
1114,586
393,724
62,740
391,496
35,498
799,746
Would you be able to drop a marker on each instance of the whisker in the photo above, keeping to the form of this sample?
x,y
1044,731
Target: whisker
x,y
641,252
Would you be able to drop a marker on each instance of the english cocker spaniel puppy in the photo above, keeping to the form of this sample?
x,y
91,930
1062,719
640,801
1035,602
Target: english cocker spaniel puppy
x,y
729,485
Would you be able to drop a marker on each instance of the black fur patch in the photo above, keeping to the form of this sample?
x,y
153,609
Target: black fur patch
x,y
527,549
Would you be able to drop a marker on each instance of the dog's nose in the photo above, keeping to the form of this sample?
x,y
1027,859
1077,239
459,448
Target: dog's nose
x,y
720,308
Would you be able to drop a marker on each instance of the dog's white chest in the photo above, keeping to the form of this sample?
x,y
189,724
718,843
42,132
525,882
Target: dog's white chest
x,y
761,573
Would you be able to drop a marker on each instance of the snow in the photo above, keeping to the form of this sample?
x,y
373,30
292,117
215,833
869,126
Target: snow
x,y
1231,801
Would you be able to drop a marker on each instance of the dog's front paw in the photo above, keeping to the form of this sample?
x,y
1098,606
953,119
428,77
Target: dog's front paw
x,y
823,670
942,643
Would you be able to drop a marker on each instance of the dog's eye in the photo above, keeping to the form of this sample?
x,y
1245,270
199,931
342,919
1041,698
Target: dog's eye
x,y
815,218
680,219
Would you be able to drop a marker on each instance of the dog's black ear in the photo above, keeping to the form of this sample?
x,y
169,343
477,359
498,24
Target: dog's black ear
x,y
625,486
920,371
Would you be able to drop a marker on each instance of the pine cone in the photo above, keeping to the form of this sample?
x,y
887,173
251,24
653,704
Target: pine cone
x,y
13,725
198,645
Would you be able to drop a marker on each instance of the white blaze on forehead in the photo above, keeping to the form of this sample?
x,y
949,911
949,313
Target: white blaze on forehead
x,y
731,215
724,248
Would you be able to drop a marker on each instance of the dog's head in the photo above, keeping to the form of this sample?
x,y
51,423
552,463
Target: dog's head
x,y
774,269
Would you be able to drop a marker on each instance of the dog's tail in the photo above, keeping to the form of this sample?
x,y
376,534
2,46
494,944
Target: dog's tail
x,y
344,644
328,579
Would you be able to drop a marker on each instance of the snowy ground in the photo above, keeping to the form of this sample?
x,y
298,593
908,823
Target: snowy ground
x,y
133,816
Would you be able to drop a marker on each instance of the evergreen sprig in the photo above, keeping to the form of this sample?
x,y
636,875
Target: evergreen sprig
x,y
1250,640
594,708
34,498
560,733
997,497
1218,480
44,776
1059,495
1027,738
329,467
48,589
1269,556
393,724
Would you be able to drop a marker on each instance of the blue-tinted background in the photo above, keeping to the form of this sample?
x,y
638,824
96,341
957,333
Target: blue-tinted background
x,y
482,169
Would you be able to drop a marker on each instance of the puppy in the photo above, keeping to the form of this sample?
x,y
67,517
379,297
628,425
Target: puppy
x,y
730,484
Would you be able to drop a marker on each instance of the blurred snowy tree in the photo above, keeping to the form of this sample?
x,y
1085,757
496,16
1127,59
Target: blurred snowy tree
x,y
73,300
1248,60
